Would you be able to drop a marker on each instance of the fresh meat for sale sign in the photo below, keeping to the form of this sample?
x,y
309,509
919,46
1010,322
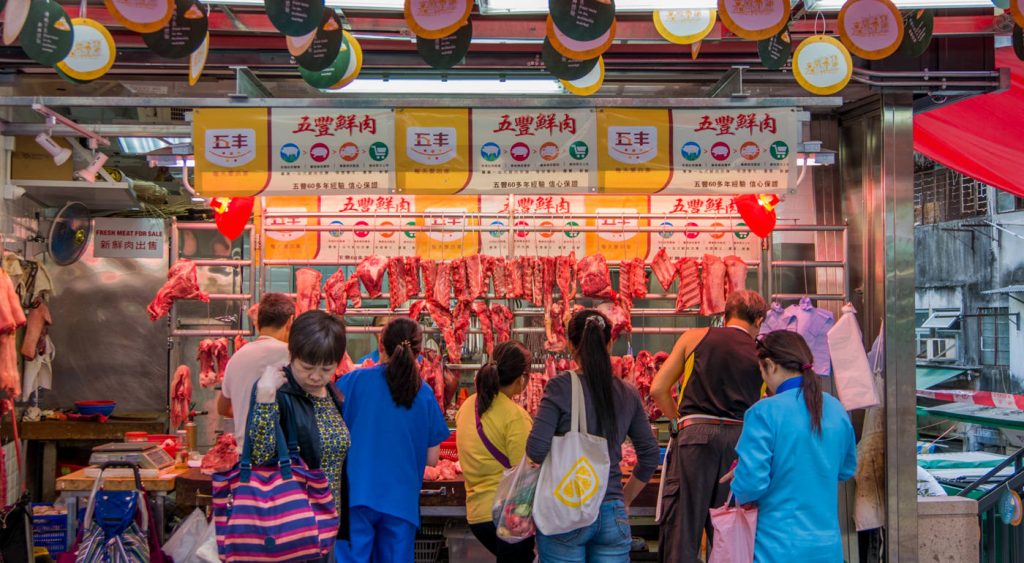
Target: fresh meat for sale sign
x,y
129,238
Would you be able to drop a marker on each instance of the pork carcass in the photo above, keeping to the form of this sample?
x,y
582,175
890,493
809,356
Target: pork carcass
x,y
565,278
475,276
528,272
339,291
460,283
207,363
433,375
429,268
499,278
12,316
483,314
501,318
34,341
514,277
10,377
181,396
633,279
461,319
712,286
307,290
371,273
412,276
416,309
663,269
537,287
445,323
221,354
735,274
535,388
554,328
618,313
595,279
689,284
182,283
549,264
643,376
399,290
443,289
222,456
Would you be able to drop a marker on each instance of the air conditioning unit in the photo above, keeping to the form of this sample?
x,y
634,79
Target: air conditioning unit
x,y
938,349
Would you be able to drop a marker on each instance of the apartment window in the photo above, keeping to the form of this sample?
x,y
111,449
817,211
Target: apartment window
x,y
994,332
941,195
938,334
1008,203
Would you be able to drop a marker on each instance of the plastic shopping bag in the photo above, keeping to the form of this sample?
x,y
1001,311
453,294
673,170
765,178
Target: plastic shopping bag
x,y
735,530
513,503
186,536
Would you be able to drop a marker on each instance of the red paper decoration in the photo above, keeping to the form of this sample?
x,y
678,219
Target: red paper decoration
x,y
232,214
758,212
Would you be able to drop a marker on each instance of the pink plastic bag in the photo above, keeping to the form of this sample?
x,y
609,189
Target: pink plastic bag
x,y
735,529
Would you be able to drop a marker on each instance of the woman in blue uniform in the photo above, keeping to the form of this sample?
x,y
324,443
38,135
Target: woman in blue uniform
x,y
795,448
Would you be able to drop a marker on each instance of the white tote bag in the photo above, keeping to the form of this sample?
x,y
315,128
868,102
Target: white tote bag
x,y
574,477
855,383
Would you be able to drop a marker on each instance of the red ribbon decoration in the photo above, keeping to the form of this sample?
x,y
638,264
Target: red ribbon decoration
x,y
758,212
232,214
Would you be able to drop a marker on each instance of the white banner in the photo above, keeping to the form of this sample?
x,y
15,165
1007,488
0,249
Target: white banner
x,y
386,211
557,243
678,212
128,238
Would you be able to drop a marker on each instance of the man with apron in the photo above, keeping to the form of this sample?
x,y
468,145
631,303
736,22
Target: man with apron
x,y
721,379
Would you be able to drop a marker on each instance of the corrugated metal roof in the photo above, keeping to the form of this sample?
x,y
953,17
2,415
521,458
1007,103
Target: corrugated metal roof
x,y
1007,289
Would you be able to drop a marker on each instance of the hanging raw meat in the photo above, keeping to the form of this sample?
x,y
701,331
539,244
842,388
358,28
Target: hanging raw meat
x,y
239,342
213,360
663,269
689,284
412,276
399,289
222,456
618,314
499,279
338,291
429,268
10,377
735,274
221,353
538,282
433,375
712,286
475,276
443,289
371,272
34,341
565,278
528,272
633,279
483,314
549,264
416,309
181,396
535,388
12,316
501,318
344,366
643,376
307,290
461,318
445,323
514,278
460,283
182,283
554,328
595,279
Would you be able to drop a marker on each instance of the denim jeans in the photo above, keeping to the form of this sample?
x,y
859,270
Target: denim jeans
x,y
607,540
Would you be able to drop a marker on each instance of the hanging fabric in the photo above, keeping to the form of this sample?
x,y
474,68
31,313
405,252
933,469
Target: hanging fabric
x,y
854,379
813,324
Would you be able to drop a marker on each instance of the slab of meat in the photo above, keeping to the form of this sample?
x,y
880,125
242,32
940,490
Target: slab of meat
x,y
643,376
535,293
307,290
528,273
663,269
460,283
182,283
483,314
181,396
207,363
633,279
550,267
399,289
429,268
499,279
567,365
443,289
222,456
446,324
344,366
371,272
475,266
619,315
735,274
501,318
433,375
10,377
689,284
338,291
514,277
627,367
461,317
446,470
12,316
416,309
565,278
239,342
554,328
595,279
34,341
222,354
535,388
712,286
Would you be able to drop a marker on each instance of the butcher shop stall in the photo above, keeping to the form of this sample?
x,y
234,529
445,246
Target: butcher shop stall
x,y
486,178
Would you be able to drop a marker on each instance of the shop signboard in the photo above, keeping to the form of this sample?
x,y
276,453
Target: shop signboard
x,y
553,211
451,242
373,212
634,150
433,148
734,151
701,211
618,218
299,244
128,238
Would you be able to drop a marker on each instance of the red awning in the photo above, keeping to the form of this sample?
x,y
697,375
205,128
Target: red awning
x,y
981,137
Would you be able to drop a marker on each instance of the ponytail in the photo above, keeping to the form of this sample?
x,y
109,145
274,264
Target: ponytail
x,y
402,339
811,388
510,361
590,333
790,351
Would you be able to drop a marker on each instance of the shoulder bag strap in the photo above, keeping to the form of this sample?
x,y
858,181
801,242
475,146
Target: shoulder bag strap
x,y
494,451
578,414
245,461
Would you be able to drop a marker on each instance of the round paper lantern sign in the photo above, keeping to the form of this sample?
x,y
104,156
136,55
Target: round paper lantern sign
x,y
355,63
562,67
327,77
582,20
822,65
579,50
431,19
183,34
589,84
871,29
754,20
14,19
141,16
684,27
92,53
47,35
197,61
446,52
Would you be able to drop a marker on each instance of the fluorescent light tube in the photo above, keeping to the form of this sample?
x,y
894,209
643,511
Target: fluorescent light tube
x,y
541,6
368,5
836,5
438,87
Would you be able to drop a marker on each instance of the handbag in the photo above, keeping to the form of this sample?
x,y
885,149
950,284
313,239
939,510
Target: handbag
x,y
855,381
16,532
112,532
735,532
512,512
574,477
279,512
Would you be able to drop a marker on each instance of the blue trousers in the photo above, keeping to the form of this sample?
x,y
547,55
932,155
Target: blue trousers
x,y
376,537
607,540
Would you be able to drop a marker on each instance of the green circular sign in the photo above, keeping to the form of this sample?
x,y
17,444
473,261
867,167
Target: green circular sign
x,y
410,234
918,26
63,75
776,50
779,150
742,235
572,234
326,42
327,77
446,52
183,34
582,20
1018,42
379,151
579,150
47,36
1003,4
562,67
295,17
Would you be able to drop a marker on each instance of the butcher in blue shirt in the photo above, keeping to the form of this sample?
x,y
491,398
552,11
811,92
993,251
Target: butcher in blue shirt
x,y
795,448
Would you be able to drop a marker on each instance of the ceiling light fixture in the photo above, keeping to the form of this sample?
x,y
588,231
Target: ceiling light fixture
x,y
357,5
541,6
449,87
836,5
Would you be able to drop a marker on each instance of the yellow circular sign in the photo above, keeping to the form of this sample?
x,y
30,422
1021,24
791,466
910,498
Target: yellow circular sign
x,y
141,16
871,29
1017,10
589,84
684,27
822,65
580,50
355,63
197,61
754,20
430,19
92,52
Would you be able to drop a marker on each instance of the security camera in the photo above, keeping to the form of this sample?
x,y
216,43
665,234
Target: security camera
x,y
89,173
60,154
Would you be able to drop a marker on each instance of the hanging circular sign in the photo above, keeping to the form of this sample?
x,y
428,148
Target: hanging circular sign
x,y
197,61
68,78
334,72
48,34
871,29
918,26
1010,508
14,19
355,62
431,19
446,52
579,50
684,27
183,34
1018,42
590,83
324,48
141,16
562,67
582,20
1017,10
298,45
92,53
754,20
295,17
822,65
775,50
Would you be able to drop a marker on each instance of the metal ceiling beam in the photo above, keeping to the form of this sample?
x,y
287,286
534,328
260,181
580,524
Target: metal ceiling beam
x,y
22,129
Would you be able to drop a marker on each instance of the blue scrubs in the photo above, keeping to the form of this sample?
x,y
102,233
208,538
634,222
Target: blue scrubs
x,y
793,475
375,356
385,465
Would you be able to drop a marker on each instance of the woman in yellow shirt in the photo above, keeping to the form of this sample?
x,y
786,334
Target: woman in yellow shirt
x,y
491,432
